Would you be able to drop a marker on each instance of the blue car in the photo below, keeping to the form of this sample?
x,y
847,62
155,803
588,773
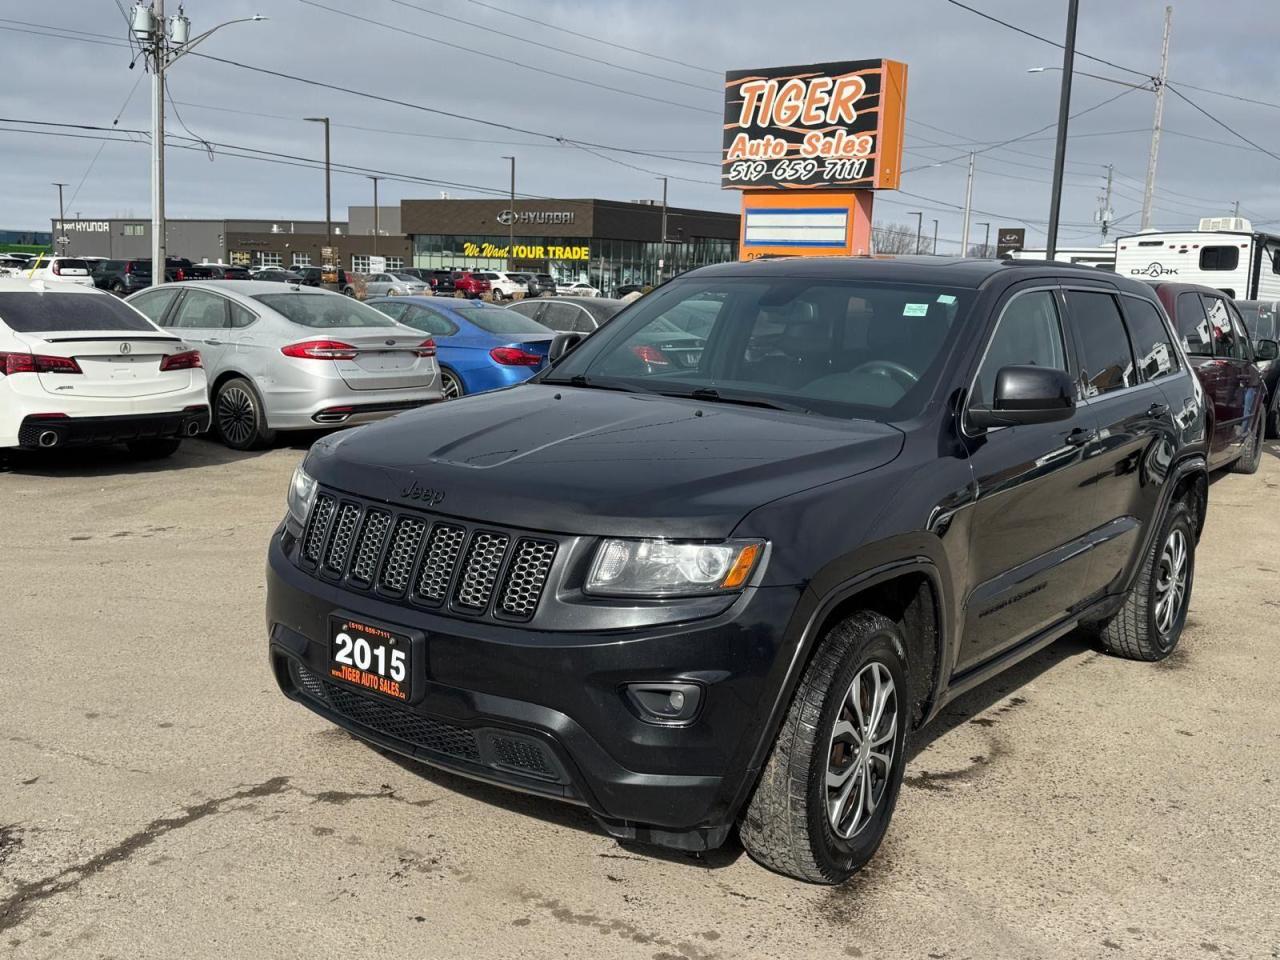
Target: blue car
x,y
480,347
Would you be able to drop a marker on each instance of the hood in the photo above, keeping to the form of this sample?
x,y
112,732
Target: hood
x,y
594,462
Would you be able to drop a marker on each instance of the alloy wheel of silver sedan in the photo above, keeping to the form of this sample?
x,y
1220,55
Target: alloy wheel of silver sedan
x,y
860,753
1171,581
237,417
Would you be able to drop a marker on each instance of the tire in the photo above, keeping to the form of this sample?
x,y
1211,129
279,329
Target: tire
x,y
1248,461
451,385
788,824
154,449
118,289
497,296
238,416
1143,629
349,291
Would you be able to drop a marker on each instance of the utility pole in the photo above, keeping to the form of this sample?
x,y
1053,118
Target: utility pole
x,y
511,224
986,240
1148,195
1234,213
377,226
62,226
919,215
1104,214
663,258
1064,114
968,209
935,238
328,179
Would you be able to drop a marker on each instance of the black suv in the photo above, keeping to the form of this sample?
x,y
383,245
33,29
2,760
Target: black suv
x,y
123,277
689,596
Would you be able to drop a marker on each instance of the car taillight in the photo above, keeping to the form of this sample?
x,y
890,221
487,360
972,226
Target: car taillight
x,y
128,268
320,350
515,357
187,360
651,355
55,268
427,348
11,363
180,275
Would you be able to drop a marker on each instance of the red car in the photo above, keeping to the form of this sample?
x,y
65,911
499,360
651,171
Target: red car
x,y
469,285
1218,345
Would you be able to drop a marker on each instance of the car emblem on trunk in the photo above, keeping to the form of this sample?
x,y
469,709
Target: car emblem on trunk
x,y
126,348
391,343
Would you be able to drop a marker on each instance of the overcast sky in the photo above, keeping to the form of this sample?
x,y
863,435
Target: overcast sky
x,y
968,81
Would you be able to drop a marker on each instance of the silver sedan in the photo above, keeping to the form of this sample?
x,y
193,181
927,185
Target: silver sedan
x,y
397,285
281,356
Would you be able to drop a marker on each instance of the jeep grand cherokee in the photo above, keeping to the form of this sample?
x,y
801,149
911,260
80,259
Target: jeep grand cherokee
x,y
699,589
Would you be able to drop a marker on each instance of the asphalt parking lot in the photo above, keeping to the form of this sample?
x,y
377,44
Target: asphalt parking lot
x,y
159,798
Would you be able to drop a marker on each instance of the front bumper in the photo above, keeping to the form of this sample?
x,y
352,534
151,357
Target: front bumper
x,y
544,712
35,431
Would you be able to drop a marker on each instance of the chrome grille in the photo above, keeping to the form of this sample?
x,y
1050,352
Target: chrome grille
x,y
528,575
398,566
412,558
437,566
313,542
376,523
480,570
340,542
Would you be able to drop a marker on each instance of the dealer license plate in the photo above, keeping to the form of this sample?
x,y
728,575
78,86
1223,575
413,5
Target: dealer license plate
x,y
370,658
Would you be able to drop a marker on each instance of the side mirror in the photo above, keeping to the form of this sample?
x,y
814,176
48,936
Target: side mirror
x,y
1027,395
562,345
1266,350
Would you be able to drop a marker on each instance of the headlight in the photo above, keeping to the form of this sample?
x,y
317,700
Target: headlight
x,y
302,493
664,568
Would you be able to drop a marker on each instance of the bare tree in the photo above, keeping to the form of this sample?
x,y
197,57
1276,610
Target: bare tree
x,y
894,238
984,250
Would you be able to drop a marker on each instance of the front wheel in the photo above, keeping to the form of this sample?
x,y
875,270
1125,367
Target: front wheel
x,y
826,796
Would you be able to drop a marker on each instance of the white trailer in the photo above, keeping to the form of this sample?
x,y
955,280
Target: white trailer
x,y
1225,253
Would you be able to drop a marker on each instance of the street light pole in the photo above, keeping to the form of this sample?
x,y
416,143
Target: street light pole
x,y
662,260
968,210
377,225
328,177
919,215
62,226
1148,194
511,226
986,240
935,238
1064,112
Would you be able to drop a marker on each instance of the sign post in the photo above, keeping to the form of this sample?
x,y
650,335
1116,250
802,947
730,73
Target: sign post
x,y
808,146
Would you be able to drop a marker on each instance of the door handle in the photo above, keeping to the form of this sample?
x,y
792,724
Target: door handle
x,y
1157,410
1079,437
214,342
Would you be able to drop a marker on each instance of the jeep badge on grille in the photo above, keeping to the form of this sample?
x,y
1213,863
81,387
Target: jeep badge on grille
x,y
427,495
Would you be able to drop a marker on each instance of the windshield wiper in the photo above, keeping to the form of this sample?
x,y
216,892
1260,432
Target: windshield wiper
x,y
582,380
712,395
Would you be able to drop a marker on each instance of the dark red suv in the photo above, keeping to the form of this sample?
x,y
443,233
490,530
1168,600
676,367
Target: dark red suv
x,y
470,285
1218,346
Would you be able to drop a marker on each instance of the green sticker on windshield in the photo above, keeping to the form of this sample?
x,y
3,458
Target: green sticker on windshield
x,y
946,298
915,310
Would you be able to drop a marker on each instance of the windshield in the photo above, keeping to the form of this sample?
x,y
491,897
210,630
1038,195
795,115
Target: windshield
x,y
838,348
69,312
322,310
497,320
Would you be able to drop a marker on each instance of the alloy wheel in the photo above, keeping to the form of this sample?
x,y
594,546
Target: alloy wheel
x,y
1171,581
860,752
450,386
237,418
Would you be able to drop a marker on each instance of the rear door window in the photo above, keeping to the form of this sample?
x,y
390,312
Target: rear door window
x,y
1193,325
1157,356
1226,341
25,312
155,302
561,317
430,321
392,310
1106,358
200,310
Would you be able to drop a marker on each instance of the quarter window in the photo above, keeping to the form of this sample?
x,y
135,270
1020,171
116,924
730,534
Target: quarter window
x,y
1219,258
241,316
1157,356
1029,333
1106,359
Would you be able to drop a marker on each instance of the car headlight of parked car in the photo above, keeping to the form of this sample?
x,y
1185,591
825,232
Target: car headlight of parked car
x,y
665,568
302,493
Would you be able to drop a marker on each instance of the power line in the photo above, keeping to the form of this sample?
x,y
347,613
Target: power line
x,y
1231,130
603,40
92,163
518,63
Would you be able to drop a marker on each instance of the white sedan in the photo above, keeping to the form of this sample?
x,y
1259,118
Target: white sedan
x,y
578,288
79,366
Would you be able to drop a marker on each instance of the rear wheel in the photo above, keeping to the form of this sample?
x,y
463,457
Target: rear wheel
x,y
118,289
154,449
239,416
825,798
1248,461
451,385
498,296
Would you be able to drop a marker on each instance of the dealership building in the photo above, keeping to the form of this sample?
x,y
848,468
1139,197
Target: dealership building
x,y
604,242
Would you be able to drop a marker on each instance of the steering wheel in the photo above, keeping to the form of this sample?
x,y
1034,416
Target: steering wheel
x,y
888,368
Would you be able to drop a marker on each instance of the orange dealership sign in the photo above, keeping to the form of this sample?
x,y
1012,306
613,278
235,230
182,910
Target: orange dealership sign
x,y
818,127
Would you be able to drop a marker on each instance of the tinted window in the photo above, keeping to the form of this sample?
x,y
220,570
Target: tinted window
x,y
1156,354
200,310
430,321
1106,360
1193,325
497,320
322,310
1219,258
68,312
1226,342
1029,334
155,302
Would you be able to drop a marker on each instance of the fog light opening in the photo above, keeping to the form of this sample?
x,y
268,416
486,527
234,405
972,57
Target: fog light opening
x,y
674,702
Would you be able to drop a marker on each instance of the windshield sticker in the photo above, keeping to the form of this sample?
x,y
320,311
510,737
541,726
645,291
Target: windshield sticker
x,y
946,298
915,310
